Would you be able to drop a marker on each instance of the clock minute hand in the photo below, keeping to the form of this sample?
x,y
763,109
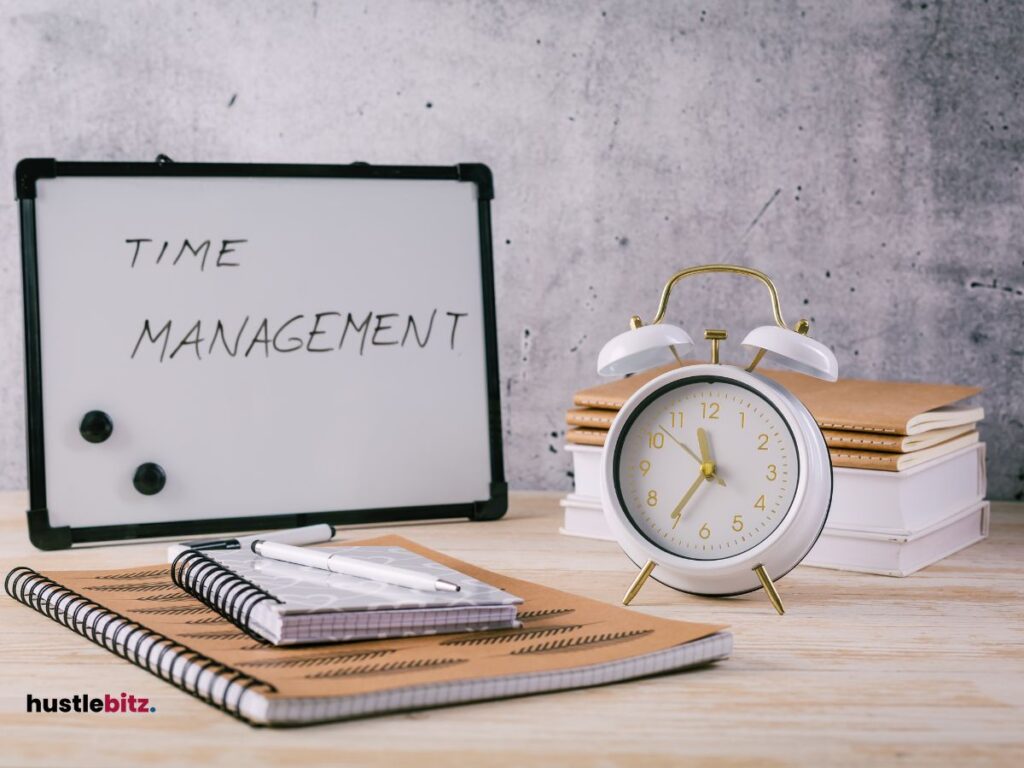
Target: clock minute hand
x,y
677,513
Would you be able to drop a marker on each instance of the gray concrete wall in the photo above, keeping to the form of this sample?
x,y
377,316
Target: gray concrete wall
x,y
867,155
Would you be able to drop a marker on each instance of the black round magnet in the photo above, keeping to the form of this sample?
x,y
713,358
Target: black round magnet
x,y
149,478
96,426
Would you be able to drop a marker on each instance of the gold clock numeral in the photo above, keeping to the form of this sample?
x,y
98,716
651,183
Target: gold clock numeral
x,y
652,498
737,523
772,472
709,410
763,442
655,439
759,504
645,467
705,532
677,419
743,420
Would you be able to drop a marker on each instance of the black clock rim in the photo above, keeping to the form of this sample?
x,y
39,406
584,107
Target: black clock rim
x,y
640,407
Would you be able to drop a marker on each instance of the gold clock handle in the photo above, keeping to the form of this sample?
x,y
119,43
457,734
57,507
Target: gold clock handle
x,y
638,582
728,269
801,326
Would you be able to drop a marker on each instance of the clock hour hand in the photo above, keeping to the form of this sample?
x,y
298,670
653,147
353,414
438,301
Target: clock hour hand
x,y
707,463
677,513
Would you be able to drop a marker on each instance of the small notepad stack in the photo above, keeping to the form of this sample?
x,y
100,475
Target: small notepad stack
x,y
290,604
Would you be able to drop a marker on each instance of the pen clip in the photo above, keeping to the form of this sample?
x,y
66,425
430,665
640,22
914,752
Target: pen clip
x,y
215,544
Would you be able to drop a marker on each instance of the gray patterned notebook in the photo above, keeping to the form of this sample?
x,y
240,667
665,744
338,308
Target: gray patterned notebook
x,y
292,604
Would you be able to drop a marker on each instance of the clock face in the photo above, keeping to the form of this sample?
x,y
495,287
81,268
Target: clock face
x,y
710,502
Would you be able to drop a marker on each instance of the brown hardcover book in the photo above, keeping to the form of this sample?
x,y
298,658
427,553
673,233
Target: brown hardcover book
x,y
848,405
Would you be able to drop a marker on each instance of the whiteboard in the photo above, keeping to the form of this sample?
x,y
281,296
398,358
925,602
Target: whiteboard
x,y
276,345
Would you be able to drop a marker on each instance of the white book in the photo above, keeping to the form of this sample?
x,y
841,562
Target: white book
x,y
864,499
880,551
911,500
901,553
584,517
586,469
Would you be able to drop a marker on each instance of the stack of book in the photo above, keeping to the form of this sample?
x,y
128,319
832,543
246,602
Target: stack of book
x,y
908,467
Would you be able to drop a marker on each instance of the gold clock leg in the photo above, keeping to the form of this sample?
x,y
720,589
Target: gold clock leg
x,y
638,582
769,587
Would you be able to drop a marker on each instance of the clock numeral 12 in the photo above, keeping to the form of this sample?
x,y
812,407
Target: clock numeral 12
x,y
709,410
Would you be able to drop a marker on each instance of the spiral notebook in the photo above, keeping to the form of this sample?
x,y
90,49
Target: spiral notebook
x,y
291,604
565,642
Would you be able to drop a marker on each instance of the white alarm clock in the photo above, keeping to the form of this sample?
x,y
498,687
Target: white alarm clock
x,y
715,480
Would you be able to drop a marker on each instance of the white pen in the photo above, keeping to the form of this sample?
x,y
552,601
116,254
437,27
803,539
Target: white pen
x,y
363,569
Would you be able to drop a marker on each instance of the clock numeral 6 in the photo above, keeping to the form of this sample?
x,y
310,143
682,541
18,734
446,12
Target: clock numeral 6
x,y
655,439
762,444
772,472
652,498
737,523
709,410
704,531
645,467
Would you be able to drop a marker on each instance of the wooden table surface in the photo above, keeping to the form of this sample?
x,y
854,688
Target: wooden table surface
x,y
927,669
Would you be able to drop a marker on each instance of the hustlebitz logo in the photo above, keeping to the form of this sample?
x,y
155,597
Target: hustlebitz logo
x,y
125,704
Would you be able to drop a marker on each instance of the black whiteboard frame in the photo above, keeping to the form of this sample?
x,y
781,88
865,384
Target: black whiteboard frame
x,y
47,537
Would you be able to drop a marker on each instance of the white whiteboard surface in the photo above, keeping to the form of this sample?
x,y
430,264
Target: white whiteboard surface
x,y
282,429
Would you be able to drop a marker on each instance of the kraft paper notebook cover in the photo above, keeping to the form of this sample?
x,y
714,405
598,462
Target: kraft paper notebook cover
x,y
591,424
565,642
897,462
888,407
590,418
841,457
874,441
